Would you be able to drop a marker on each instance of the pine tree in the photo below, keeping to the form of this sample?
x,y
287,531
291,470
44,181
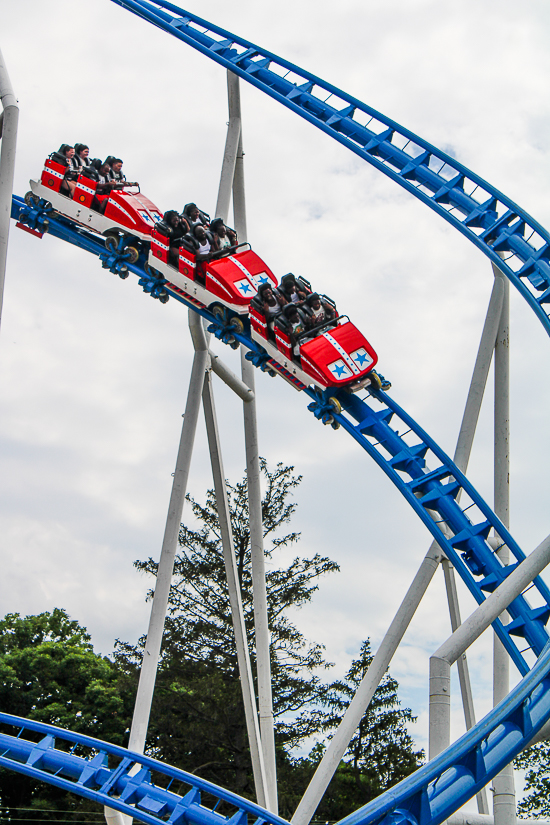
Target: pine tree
x,y
380,752
197,720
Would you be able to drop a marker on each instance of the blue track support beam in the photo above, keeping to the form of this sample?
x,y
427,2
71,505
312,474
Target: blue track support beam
x,y
508,235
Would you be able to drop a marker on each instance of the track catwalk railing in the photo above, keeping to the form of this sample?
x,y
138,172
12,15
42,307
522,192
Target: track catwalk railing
x,y
493,222
460,521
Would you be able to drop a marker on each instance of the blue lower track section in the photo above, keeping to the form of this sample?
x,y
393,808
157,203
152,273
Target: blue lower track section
x,y
458,518
156,793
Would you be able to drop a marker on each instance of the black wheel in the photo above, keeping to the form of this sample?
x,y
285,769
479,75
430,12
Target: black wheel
x,y
111,243
335,425
237,324
131,254
219,313
234,344
31,199
164,298
151,271
335,404
375,381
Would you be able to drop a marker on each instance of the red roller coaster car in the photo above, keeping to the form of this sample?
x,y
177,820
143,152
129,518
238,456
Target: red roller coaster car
x,y
126,210
335,354
225,284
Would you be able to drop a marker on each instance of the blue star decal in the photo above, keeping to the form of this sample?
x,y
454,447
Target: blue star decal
x,y
245,288
263,279
339,370
361,359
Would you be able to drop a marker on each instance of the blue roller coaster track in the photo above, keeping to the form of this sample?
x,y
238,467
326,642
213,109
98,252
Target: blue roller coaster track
x,y
454,512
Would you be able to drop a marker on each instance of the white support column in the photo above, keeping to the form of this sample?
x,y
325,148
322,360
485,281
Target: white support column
x,y
479,376
8,131
239,203
245,670
159,606
461,458
261,627
151,654
463,671
440,706
504,797
476,624
232,177
232,143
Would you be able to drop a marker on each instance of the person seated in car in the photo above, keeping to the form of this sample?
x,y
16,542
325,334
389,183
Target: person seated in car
x,y
295,325
82,155
116,175
68,184
271,306
194,216
224,237
205,242
289,291
104,186
174,228
318,311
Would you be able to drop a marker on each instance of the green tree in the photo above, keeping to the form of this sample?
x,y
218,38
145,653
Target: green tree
x,y
381,752
197,721
50,673
536,762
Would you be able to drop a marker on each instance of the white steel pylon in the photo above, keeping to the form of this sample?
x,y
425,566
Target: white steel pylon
x,y
200,387
9,118
232,181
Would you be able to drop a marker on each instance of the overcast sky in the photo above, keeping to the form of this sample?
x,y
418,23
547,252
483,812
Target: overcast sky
x,y
94,373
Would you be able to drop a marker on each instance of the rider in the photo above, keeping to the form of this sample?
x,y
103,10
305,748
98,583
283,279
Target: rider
x,y
223,236
289,291
116,175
